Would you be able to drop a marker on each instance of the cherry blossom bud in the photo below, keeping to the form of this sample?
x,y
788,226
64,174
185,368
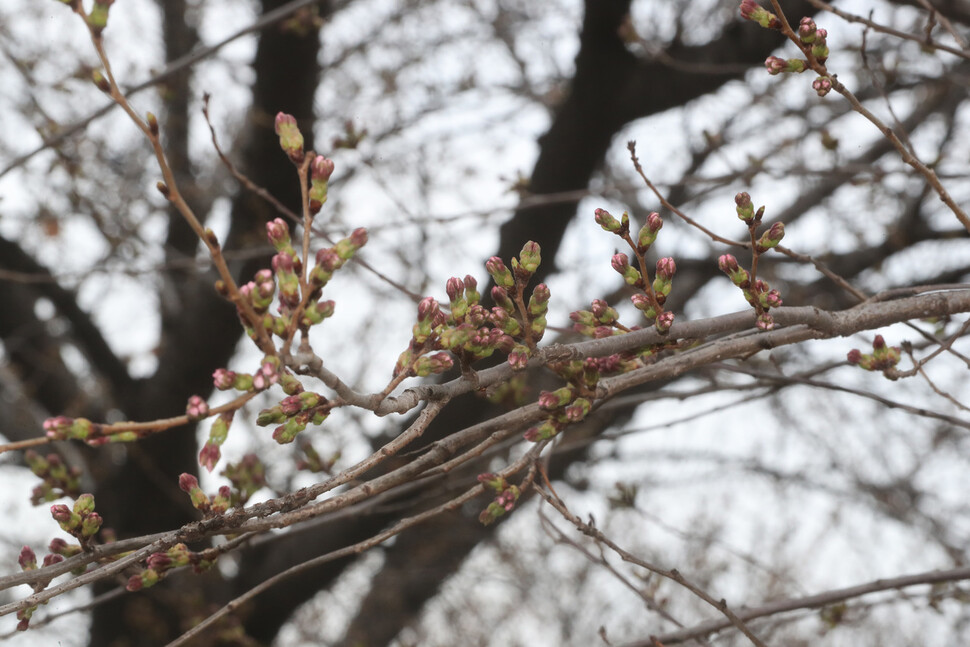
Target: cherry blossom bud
x,y
432,365
320,171
267,375
544,431
648,233
606,220
90,525
488,479
68,520
751,10
84,505
100,81
806,30
471,290
190,484
50,560
209,456
519,357
822,85
27,559
454,288
321,168
775,65
621,263
819,49
291,139
554,399
765,321
578,410
664,321
583,317
57,428
152,122
530,257
197,408
854,356
223,379
666,267
603,313
159,562
539,302
772,237
278,233
97,18
499,273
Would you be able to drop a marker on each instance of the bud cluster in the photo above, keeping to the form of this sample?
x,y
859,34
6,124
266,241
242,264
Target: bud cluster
x,y
653,294
756,291
573,402
57,479
882,358
81,521
470,331
214,505
294,413
810,38
507,496
159,564
92,433
59,550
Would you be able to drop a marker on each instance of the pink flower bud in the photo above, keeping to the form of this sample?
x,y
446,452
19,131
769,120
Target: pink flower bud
x,y
751,10
50,560
530,257
807,30
291,139
27,559
454,288
775,65
197,408
606,220
822,85
664,321
321,168
209,456
223,379
278,233
727,264
666,268
499,273
620,263
187,482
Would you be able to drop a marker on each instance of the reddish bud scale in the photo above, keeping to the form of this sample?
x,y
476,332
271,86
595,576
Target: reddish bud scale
x,y
152,122
100,81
